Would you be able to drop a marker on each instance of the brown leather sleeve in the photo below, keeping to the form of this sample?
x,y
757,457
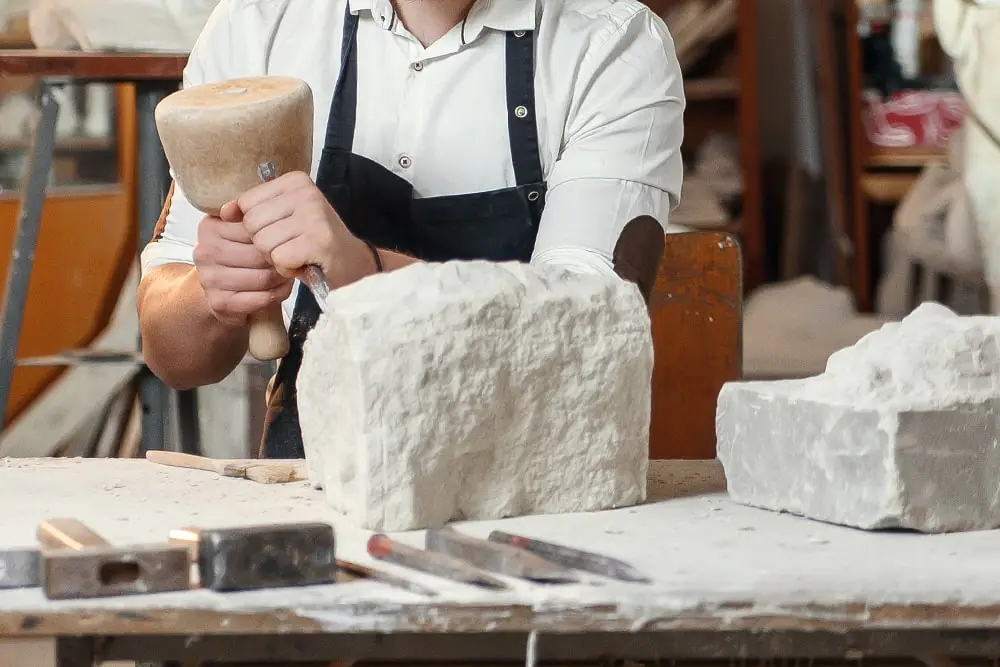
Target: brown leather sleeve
x,y
638,252
162,221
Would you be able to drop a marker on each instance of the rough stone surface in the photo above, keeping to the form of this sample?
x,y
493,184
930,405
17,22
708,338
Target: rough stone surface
x,y
476,390
902,430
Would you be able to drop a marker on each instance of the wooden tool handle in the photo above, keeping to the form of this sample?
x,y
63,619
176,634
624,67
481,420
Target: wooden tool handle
x,y
190,461
268,337
67,534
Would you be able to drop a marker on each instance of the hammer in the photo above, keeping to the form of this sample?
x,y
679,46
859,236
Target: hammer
x,y
221,139
79,563
242,559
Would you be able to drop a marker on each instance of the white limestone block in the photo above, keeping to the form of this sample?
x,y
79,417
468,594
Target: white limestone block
x,y
476,390
902,430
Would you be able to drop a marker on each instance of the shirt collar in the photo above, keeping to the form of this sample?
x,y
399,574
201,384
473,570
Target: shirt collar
x,y
503,15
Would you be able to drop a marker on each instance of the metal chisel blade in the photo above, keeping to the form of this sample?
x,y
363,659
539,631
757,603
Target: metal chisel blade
x,y
439,565
575,559
19,568
498,558
358,571
311,276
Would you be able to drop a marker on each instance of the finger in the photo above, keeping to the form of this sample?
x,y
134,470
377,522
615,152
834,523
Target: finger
x,y
229,231
231,212
268,212
235,304
273,236
290,257
285,183
240,279
230,254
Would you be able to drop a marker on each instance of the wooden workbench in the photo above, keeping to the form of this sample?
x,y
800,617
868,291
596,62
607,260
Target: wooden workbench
x,y
730,581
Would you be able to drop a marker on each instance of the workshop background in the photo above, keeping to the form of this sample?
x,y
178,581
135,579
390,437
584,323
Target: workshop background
x,y
821,135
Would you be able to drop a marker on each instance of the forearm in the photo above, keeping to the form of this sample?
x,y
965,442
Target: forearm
x,y
183,343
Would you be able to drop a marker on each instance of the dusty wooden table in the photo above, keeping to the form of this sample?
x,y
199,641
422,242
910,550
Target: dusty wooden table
x,y
730,582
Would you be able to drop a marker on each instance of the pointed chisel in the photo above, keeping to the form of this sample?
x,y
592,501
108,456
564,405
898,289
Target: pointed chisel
x,y
575,559
498,558
382,547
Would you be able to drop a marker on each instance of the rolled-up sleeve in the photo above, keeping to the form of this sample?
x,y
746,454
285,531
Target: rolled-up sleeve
x,y
621,154
177,229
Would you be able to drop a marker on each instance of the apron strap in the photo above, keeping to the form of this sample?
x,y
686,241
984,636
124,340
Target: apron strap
x,y
522,119
343,117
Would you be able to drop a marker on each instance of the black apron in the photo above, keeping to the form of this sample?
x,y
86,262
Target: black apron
x,y
378,206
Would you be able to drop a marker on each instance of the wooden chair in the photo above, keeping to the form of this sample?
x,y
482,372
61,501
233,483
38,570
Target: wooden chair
x,y
696,309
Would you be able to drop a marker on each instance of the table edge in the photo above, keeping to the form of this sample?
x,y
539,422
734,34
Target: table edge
x,y
372,618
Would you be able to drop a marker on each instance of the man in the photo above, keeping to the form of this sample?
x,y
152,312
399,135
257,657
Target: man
x,y
446,129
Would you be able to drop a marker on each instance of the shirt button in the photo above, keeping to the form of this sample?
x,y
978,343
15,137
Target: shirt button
x,y
405,161
519,34
418,67
521,112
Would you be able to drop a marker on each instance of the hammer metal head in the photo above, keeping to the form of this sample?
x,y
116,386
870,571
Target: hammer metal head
x,y
19,568
107,571
233,559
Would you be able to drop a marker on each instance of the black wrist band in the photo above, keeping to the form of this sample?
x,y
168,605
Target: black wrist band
x,y
377,257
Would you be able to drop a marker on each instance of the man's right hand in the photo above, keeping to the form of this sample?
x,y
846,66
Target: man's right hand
x,y
238,280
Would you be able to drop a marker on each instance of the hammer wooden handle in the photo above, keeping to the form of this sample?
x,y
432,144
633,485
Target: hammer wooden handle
x,y
268,337
68,534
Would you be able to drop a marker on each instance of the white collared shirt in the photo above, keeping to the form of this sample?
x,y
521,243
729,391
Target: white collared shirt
x,y
608,92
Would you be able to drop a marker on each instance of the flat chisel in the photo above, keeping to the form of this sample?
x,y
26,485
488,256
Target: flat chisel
x,y
576,559
498,558
358,571
382,547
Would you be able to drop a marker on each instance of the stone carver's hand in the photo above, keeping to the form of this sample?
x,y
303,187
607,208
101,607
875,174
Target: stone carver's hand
x,y
237,278
293,225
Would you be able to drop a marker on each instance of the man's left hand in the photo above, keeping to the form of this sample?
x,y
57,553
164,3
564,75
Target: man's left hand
x,y
292,223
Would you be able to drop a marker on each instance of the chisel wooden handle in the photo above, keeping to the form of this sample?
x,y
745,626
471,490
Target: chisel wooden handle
x,y
68,534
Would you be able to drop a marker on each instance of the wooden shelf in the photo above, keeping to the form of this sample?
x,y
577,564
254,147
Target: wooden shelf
x,y
62,145
917,156
715,88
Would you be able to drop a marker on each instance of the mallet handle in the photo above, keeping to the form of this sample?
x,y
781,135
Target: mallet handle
x,y
68,534
268,337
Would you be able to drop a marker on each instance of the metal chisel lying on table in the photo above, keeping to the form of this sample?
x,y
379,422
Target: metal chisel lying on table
x,y
264,471
358,571
19,569
497,557
575,559
382,547
79,563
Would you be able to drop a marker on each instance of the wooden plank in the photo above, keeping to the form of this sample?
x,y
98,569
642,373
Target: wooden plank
x,y
96,66
696,309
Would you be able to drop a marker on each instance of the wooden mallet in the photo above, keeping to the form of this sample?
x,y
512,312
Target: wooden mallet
x,y
216,136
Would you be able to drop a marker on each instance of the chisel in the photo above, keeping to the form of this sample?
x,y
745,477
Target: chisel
x,y
19,568
496,557
263,471
382,547
358,571
575,559
311,275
